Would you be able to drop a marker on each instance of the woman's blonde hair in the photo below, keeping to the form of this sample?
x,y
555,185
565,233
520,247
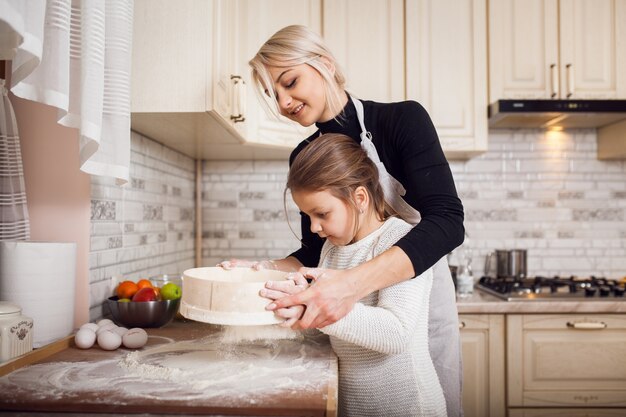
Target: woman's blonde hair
x,y
336,163
296,45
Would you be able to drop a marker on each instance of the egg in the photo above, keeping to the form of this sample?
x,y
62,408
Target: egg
x,y
92,326
105,327
104,321
85,338
120,330
109,340
135,338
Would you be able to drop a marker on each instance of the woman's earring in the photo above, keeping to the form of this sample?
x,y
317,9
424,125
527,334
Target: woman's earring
x,y
361,210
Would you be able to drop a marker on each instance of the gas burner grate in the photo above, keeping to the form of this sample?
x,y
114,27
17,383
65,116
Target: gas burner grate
x,y
546,288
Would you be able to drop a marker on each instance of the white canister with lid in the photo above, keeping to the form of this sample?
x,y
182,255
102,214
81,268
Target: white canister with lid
x,y
16,332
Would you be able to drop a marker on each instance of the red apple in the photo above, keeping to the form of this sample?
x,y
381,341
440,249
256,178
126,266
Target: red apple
x,y
145,294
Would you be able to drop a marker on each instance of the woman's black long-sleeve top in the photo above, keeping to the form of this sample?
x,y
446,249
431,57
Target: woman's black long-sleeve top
x,y
408,145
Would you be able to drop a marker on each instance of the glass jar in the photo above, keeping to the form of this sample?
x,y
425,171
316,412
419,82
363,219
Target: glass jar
x,y
465,280
16,332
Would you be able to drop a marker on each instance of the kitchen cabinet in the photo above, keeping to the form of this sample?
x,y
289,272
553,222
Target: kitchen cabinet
x,y
191,87
482,347
256,22
540,49
446,70
561,361
367,39
566,412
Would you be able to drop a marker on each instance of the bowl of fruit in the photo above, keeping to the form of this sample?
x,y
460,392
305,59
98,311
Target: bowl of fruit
x,y
144,304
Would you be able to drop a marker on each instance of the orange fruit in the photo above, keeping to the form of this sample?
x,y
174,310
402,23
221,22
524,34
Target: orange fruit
x,y
144,283
127,289
157,290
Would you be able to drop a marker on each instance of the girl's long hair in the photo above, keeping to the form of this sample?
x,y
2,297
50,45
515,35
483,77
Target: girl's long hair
x,y
296,45
336,163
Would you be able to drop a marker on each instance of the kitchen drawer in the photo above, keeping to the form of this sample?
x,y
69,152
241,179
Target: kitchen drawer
x,y
568,412
566,360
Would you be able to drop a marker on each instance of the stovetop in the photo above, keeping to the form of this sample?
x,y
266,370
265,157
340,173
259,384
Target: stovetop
x,y
553,288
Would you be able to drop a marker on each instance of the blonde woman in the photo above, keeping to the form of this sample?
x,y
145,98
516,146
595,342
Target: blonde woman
x,y
302,81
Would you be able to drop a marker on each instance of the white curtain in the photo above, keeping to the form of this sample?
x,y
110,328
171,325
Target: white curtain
x,y
75,55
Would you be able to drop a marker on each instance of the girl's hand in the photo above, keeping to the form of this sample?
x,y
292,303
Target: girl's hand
x,y
328,299
243,263
274,290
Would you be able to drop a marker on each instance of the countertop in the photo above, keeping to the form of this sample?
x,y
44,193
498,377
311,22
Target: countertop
x,y
482,303
187,368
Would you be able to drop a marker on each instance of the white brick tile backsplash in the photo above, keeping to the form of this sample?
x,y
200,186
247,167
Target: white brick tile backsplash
x,y
151,212
544,192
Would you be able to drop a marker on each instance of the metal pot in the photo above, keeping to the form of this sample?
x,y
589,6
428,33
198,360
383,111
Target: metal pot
x,y
506,263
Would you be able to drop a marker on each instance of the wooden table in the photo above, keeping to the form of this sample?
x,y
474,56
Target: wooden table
x,y
185,369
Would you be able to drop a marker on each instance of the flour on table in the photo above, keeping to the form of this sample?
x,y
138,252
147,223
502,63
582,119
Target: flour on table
x,y
239,334
205,370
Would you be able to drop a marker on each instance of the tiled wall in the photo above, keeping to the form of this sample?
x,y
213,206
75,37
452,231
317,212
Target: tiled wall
x,y
145,227
548,193
545,192
243,211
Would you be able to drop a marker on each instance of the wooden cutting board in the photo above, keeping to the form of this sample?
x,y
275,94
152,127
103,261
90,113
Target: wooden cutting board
x,y
187,368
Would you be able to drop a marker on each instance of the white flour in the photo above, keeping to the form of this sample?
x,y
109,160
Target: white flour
x,y
204,370
238,334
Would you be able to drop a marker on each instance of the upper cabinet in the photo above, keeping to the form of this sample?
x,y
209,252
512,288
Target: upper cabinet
x,y
446,70
256,21
557,49
191,87
367,39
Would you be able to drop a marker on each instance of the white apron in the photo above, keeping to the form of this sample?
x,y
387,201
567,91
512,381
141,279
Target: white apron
x,y
443,321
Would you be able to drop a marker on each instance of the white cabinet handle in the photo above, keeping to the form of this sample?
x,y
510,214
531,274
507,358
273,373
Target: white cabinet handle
x,y
461,325
569,73
587,325
239,99
554,81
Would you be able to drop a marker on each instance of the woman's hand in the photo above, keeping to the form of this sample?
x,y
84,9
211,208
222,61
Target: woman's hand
x,y
328,299
288,264
274,290
243,263
335,292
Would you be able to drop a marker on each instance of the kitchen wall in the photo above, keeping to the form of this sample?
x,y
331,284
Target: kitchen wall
x,y
544,191
146,227
56,190
243,211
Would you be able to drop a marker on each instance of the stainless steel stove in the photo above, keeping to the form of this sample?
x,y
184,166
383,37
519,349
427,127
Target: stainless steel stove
x,y
546,288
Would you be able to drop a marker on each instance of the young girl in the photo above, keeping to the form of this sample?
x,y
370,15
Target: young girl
x,y
385,368
299,74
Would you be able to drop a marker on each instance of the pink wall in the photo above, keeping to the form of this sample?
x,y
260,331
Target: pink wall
x,y
58,193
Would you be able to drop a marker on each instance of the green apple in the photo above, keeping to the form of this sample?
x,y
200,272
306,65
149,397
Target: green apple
x,y
170,291
124,300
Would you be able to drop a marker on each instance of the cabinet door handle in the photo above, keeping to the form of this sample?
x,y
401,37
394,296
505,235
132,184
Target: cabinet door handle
x,y
554,81
569,73
461,325
239,99
587,325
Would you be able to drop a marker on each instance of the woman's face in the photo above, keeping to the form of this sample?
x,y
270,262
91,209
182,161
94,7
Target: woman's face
x,y
331,217
300,92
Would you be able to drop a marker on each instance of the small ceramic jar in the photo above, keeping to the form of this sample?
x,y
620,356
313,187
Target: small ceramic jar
x,y
16,332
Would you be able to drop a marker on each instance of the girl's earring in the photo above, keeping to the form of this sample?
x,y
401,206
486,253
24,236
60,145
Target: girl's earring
x,y
361,210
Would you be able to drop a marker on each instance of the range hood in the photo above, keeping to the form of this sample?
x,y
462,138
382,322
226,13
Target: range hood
x,y
556,114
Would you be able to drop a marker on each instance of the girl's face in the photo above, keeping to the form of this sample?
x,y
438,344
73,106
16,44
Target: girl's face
x,y
300,92
331,217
